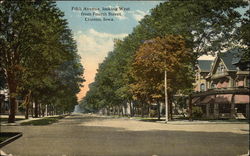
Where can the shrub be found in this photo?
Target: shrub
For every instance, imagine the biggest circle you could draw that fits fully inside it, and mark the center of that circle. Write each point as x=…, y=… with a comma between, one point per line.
x=152, y=113
x=197, y=112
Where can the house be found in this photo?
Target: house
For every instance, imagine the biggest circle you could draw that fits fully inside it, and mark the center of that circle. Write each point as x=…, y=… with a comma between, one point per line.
x=5, y=105
x=226, y=93
x=202, y=71
x=4, y=101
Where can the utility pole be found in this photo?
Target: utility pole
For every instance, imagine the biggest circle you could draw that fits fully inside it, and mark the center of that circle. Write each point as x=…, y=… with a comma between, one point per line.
x=166, y=96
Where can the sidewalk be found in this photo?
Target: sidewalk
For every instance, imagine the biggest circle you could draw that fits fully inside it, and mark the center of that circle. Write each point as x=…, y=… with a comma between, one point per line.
x=186, y=121
x=180, y=122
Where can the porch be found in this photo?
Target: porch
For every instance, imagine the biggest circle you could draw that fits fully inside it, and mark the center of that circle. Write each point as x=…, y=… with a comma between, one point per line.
x=230, y=103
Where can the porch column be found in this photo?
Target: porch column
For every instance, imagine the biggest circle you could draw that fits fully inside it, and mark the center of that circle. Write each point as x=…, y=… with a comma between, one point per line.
x=231, y=82
x=207, y=109
x=207, y=85
x=247, y=111
x=245, y=81
x=232, y=113
x=216, y=110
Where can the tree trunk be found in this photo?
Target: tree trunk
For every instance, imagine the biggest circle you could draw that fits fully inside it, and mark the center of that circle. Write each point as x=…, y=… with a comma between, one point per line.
x=39, y=110
x=12, y=86
x=171, y=108
x=138, y=110
x=27, y=104
x=1, y=106
x=46, y=110
x=12, y=110
x=131, y=109
x=119, y=110
x=27, y=110
x=36, y=109
x=113, y=111
x=142, y=109
x=125, y=107
x=32, y=109
x=190, y=108
x=148, y=109
x=108, y=111
x=158, y=110
x=122, y=108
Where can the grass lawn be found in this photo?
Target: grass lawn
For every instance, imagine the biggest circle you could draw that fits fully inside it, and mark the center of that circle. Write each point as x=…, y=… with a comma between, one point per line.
x=180, y=118
x=43, y=121
x=2, y=138
x=4, y=119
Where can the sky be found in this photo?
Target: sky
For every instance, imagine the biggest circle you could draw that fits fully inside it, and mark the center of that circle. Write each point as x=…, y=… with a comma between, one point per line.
x=94, y=37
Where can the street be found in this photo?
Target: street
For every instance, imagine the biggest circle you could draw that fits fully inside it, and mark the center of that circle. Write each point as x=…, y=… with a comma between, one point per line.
x=92, y=135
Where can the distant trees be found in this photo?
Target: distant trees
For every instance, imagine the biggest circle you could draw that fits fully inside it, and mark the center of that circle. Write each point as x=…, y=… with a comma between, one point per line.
x=38, y=56
x=133, y=72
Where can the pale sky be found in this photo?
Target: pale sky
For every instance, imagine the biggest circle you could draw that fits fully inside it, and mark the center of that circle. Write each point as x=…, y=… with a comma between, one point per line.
x=95, y=38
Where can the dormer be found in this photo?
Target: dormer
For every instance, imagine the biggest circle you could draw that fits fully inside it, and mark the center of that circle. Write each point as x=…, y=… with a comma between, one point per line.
x=223, y=65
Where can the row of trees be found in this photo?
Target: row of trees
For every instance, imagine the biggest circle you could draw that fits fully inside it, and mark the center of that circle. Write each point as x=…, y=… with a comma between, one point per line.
x=170, y=38
x=38, y=57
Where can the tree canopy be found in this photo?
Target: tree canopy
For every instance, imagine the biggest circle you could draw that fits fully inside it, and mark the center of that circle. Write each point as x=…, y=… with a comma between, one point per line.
x=135, y=67
x=38, y=55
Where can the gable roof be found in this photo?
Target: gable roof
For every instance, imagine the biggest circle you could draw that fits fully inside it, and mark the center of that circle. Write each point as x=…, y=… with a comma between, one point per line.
x=205, y=65
x=230, y=58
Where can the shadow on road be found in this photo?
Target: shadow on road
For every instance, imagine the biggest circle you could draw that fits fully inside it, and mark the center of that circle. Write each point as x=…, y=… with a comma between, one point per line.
x=72, y=140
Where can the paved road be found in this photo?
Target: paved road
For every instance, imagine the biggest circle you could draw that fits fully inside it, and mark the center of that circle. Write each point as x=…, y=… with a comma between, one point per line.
x=84, y=135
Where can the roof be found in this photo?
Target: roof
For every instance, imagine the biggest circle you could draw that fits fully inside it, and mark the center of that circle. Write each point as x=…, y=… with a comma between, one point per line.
x=205, y=65
x=230, y=58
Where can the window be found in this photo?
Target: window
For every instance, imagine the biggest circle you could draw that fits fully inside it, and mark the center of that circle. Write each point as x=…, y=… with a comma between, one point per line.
x=248, y=82
x=213, y=85
x=202, y=87
x=221, y=68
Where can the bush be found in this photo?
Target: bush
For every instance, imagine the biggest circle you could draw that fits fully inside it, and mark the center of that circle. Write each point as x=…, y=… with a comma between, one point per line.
x=21, y=108
x=197, y=112
x=152, y=113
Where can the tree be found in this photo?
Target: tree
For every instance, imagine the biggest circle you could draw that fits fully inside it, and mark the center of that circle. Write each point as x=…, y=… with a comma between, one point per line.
x=208, y=26
x=35, y=44
x=11, y=31
x=2, y=79
x=243, y=37
x=205, y=27
x=153, y=58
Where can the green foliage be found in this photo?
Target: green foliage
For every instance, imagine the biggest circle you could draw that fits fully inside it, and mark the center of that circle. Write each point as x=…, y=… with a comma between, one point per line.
x=181, y=101
x=3, y=138
x=38, y=53
x=208, y=26
x=153, y=113
x=243, y=36
x=197, y=112
x=205, y=26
